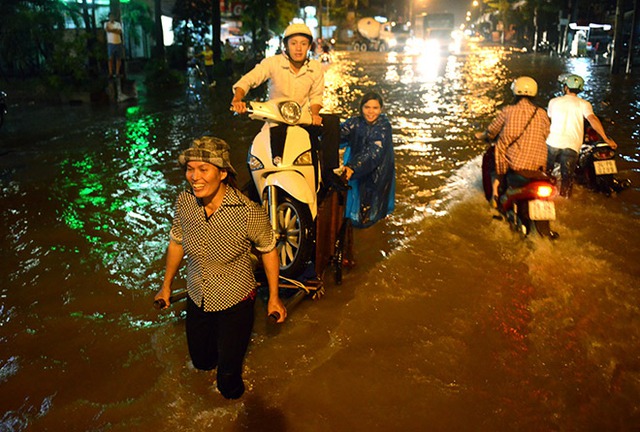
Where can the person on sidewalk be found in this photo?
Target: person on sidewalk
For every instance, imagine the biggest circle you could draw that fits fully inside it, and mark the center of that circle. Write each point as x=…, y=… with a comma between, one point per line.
x=115, y=48
x=207, y=57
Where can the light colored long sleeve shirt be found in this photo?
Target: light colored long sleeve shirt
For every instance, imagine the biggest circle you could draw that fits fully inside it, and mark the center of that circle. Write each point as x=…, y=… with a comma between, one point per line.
x=307, y=85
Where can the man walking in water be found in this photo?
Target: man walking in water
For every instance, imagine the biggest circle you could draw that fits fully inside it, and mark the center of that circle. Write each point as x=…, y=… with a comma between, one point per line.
x=568, y=114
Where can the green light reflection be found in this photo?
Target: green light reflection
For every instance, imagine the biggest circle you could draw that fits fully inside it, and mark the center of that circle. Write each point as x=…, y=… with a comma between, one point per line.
x=118, y=200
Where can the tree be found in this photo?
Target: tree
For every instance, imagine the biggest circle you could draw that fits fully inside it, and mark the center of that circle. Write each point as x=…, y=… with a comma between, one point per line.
x=539, y=16
x=264, y=17
x=31, y=33
x=504, y=10
x=194, y=18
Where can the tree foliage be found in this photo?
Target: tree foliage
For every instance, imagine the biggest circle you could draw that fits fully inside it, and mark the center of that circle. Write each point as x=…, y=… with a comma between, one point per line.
x=29, y=33
x=192, y=21
x=35, y=39
x=263, y=19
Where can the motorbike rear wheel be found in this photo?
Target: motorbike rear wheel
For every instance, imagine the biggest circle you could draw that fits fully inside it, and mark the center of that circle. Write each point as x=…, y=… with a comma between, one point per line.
x=604, y=184
x=544, y=229
x=295, y=236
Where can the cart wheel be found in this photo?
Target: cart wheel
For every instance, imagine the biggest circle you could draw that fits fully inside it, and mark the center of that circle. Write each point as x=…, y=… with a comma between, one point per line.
x=338, y=254
x=338, y=269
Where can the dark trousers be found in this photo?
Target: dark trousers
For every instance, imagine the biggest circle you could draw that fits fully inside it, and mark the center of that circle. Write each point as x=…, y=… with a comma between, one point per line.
x=220, y=339
x=567, y=158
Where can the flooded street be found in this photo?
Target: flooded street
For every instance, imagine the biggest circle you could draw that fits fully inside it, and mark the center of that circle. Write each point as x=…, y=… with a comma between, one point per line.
x=448, y=322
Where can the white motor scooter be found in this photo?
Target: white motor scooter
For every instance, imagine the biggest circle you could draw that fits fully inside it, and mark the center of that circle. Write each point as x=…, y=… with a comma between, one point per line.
x=285, y=179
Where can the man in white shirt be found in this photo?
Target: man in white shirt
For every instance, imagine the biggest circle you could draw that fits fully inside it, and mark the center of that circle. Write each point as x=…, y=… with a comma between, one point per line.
x=292, y=75
x=114, y=44
x=567, y=114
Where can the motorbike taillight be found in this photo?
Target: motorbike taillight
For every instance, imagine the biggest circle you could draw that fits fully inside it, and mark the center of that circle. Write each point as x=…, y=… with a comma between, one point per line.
x=545, y=191
x=604, y=153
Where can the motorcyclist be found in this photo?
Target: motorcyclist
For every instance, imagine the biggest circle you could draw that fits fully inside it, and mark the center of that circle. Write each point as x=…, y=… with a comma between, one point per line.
x=520, y=131
x=294, y=76
x=568, y=113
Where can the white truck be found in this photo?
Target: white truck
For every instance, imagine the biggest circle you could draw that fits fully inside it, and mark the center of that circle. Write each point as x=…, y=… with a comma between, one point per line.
x=372, y=35
x=433, y=31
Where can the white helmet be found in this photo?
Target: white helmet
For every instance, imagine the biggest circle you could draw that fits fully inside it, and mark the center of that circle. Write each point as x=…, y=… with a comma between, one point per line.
x=524, y=86
x=297, y=29
x=575, y=83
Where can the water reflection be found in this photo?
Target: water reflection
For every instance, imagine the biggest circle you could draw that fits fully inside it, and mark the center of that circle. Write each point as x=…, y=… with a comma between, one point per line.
x=118, y=205
x=433, y=128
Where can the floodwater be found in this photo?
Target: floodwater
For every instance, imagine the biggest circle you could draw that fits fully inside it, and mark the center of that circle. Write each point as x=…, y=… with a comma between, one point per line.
x=449, y=321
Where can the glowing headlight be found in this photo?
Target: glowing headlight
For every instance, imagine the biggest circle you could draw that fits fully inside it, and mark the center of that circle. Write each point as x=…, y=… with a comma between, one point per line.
x=432, y=45
x=290, y=111
x=254, y=163
x=304, y=159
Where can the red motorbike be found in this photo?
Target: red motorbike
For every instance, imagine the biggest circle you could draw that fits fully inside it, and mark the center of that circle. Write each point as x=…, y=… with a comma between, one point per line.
x=529, y=206
x=527, y=202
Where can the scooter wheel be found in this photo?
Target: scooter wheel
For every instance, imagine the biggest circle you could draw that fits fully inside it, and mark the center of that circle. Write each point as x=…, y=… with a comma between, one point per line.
x=295, y=236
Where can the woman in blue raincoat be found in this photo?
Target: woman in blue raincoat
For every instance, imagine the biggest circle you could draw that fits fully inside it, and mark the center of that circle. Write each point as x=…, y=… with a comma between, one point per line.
x=369, y=163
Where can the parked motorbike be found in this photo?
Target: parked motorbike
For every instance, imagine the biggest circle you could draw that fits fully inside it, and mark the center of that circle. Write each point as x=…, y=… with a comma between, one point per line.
x=196, y=81
x=3, y=107
x=325, y=58
x=529, y=208
x=281, y=163
x=596, y=167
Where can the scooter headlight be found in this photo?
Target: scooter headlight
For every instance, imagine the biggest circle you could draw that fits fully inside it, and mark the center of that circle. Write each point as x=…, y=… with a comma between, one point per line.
x=254, y=163
x=290, y=111
x=304, y=159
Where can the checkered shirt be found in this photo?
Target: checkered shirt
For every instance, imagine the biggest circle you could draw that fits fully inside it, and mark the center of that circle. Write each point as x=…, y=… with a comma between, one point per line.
x=529, y=152
x=219, y=271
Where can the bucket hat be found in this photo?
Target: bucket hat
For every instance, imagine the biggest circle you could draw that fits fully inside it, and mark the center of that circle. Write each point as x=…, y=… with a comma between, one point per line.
x=208, y=149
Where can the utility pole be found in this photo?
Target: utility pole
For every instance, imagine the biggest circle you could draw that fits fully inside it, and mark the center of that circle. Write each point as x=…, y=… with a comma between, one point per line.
x=617, y=39
x=216, y=22
x=319, y=15
x=632, y=36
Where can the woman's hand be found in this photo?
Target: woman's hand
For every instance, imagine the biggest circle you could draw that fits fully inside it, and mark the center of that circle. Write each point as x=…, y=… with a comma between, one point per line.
x=348, y=172
x=481, y=135
x=164, y=294
x=316, y=120
x=275, y=305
